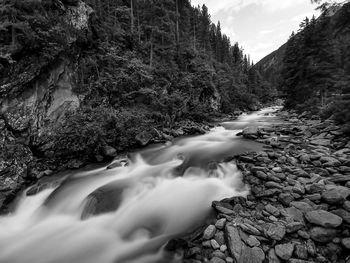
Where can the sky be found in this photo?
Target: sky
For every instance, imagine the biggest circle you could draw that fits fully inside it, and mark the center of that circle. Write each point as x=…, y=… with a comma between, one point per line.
x=259, y=26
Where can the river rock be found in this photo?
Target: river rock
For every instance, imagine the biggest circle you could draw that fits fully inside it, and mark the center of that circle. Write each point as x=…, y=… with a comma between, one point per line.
x=334, y=196
x=217, y=260
x=302, y=206
x=252, y=241
x=220, y=224
x=345, y=215
x=239, y=250
x=284, y=251
x=346, y=242
x=272, y=257
x=346, y=205
x=323, y=235
x=300, y=251
x=108, y=151
x=209, y=232
x=294, y=226
x=272, y=210
x=276, y=231
x=323, y=218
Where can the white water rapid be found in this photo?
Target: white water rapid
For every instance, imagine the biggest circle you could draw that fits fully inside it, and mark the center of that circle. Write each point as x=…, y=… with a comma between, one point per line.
x=129, y=213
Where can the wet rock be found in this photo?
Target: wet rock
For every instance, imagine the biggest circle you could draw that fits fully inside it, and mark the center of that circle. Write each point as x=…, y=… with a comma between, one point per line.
x=209, y=232
x=108, y=151
x=323, y=218
x=251, y=132
x=284, y=251
x=276, y=231
x=143, y=138
x=323, y=235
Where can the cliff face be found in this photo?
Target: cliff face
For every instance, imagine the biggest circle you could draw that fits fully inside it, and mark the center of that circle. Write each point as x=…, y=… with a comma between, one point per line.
x=37, y=96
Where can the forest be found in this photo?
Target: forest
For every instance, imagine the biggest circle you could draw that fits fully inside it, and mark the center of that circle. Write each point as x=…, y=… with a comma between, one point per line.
x=140, y=64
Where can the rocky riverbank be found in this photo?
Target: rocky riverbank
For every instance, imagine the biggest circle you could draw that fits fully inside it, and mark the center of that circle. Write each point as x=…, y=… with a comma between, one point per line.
x=298, y=209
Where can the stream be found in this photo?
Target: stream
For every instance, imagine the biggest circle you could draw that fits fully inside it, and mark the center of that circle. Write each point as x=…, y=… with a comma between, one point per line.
x=129, y=213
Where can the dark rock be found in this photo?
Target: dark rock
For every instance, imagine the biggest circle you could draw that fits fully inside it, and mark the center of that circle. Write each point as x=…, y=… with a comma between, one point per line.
x=285, y=198
x=333, y=196
x=272, y=210
x=108, y=151
x=323, y=235
x=272, y=257
x=323, y=218
x=143, y=138
x=217, y=260
x=294, y=226
x=302, y=206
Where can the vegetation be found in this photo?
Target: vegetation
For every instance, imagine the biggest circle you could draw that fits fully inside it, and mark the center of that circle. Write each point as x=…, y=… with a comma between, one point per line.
x=139, y=65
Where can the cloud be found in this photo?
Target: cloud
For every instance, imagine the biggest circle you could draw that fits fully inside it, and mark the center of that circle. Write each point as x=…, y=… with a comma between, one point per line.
x=265, y=32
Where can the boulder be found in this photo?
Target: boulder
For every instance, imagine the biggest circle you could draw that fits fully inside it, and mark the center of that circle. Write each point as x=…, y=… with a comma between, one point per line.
x=108, y=151
x=143, y=138
x=323, y=218
x=251, y=132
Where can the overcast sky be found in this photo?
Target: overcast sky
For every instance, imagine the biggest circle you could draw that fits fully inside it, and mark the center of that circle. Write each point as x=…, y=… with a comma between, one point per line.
x=260, y=26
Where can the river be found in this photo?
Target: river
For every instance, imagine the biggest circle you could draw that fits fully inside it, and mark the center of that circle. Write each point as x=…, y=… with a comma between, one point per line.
x=129, y=213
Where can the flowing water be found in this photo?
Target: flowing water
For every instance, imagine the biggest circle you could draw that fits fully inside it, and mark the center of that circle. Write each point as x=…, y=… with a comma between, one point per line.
x=128, y=213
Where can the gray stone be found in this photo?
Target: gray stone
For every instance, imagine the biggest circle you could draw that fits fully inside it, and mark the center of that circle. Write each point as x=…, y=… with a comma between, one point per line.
x=252, y=241
x=323, y=218
x=311, y=247
x=272, y=257
x=333, y=197
x=276, y=231
x=345, y=215
x=294, y=226
x=300, y=251
x=302, y=206
x=285, y=198
x=216, y=260
x=346, y=242
x=295, y=214
x=240, y=252
x=220, y=224
x=284, y=251
x=323, y=235
x=214, y=244
x=209, y=232
x=272, y=210
x=346, y=205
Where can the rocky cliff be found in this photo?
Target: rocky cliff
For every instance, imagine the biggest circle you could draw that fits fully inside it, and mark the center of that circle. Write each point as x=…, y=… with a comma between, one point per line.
x=39, y=94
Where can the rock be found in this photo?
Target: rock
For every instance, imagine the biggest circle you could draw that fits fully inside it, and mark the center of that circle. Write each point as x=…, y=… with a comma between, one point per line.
x=209, y=232
x=294, y=226
x=240, y=252
x=284, y=251
x=333, y=197
x=252, y=241
x=311, y=247
x=302, y=206
x=272, y=210
x=321, y=142
x=346, y=205
x=323, y=218
x=300, y=251
x=143, y=138
x=276, y=231
x=250, y=229
x=345, y=215
x=295, y=214
x=251, y=132
x=285, y=198
x=214, y=244
x=223, y=248
x=323, y=235
x=303, y=234
x=220, y=224
x=217, y=260
x=346, y=242
x=272, y=257
x=108, y=151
